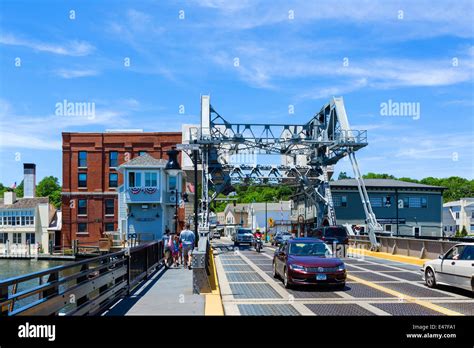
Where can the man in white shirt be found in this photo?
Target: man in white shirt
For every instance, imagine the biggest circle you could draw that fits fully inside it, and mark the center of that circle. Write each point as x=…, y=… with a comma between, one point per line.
x=187, y=238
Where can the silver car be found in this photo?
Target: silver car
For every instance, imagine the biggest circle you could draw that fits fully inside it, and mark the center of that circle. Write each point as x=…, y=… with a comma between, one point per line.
x=455, y=268
x=243, y=236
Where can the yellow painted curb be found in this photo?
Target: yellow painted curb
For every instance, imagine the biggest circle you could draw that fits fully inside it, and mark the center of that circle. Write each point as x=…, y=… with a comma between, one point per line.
x=399, y=258
x=213, y=305
x=404, y=297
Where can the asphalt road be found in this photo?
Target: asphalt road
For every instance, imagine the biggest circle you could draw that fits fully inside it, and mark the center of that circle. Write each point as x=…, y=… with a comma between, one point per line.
x=374, y=287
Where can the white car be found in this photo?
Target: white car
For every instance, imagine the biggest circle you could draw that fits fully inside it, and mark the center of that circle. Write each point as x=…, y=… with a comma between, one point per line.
x=455, y=268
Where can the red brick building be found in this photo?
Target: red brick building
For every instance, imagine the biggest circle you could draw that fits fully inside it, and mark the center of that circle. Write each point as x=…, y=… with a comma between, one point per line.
x=91, y=178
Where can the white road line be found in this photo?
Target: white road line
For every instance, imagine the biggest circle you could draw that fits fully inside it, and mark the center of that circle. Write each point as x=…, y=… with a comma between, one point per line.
x=404, y=281
x=373, y=309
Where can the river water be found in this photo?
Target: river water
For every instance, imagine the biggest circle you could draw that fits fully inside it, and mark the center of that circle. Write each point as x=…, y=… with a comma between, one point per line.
x=15, y=267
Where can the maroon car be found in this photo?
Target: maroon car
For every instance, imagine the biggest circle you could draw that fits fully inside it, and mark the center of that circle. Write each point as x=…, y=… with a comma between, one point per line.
x=308, y=261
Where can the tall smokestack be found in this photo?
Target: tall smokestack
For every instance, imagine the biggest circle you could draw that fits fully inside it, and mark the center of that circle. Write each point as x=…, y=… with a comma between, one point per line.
x=29, y=180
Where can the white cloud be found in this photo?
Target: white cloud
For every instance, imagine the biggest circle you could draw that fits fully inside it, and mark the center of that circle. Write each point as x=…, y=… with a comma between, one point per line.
x=71, y=48
x=72, y=73
x=44, y=131
x=264, y=65
x=334, y=91
x=434, y=146
x=424, y=18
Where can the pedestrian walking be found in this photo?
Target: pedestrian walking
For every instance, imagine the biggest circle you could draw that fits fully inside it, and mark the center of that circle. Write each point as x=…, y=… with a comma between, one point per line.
x=176, y=250
x=187, y=237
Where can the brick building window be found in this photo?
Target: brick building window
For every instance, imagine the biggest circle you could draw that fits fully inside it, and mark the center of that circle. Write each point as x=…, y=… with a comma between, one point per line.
x=82, y=159
x=82, y=182
x=113, y=159
x=113, y=180
x=82, y=227
x=109, y=207
x=109, y=227
x=82, y=207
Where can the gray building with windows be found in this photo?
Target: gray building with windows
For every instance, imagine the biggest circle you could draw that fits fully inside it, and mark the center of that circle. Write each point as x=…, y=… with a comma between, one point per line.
x=402, y=208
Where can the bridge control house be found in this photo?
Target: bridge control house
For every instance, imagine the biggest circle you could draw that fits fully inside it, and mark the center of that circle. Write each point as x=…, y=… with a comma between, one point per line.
x=149, y=198
x=402, y=208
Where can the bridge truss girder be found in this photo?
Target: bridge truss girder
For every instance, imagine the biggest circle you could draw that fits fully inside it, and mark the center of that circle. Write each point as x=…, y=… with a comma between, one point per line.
x=319, y=143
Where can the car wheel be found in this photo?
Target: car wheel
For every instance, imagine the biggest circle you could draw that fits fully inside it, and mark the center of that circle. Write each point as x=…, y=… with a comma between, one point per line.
x=430, y=278
x=286, y=281
x=341, y=286
x=275, y=273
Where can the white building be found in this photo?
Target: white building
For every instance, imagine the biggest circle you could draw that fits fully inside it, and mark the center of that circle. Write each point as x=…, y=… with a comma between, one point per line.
x=24, y=225
x=458, y=214
x=24, y=222
x=260, y=214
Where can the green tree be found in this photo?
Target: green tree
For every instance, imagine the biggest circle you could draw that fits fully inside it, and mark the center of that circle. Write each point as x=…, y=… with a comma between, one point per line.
x=408, y=179
x=343, y=175
x=462, y=233
x=2, y=189
x=49, y=187
x=378, y=176
x=20, y=190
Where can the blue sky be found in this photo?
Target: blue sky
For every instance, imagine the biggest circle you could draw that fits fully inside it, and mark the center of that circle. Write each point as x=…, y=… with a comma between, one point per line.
x=297, y=53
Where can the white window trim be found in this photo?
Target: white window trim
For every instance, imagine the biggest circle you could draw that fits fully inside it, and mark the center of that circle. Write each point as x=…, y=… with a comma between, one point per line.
x=142, y=178
x=157, y=173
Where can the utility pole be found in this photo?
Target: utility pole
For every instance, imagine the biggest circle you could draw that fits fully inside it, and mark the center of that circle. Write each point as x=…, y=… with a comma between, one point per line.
x=195, y=163
x=266, y=218
x=176, y=211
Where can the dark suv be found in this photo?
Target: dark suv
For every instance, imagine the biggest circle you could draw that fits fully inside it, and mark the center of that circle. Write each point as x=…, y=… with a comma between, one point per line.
x=330, y=234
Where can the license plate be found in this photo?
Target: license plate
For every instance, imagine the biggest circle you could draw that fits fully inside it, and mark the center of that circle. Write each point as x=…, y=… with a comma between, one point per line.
x=320, y=277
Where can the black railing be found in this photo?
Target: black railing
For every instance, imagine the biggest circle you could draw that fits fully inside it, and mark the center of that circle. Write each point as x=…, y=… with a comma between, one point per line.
x=85, y=287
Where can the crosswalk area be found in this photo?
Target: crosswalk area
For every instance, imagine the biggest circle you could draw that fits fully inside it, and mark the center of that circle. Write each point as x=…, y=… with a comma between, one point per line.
x=374, y=287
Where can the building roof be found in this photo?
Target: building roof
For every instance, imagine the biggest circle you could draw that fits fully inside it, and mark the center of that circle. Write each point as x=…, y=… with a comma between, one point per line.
x=272, y=206
x=144, y=160
x=239, y=207
x=24, y=203
x=469, y=202
x=56, y=222
x=383, y=183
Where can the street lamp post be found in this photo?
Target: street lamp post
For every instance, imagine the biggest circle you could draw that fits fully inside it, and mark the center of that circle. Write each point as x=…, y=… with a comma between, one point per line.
x=173, y=169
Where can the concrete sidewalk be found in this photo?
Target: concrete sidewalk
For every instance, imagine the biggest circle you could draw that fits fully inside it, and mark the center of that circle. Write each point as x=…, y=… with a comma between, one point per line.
x=167, y=292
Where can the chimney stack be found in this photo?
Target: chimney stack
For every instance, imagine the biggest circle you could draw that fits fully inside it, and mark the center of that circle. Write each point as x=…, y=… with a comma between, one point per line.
x=9, y=198
x=29, y=180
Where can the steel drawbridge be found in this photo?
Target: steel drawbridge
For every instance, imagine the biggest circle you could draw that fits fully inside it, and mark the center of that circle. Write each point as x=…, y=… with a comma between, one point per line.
x=309, y=150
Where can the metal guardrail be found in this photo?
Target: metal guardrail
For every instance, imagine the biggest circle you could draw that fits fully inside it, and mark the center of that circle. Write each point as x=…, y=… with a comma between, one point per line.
x=85, y=287
x=415, y=247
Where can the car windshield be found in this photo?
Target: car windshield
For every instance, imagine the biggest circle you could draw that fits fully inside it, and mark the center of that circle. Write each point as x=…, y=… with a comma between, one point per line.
x=244, y=231
x=309, y=249
x=336, y=232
